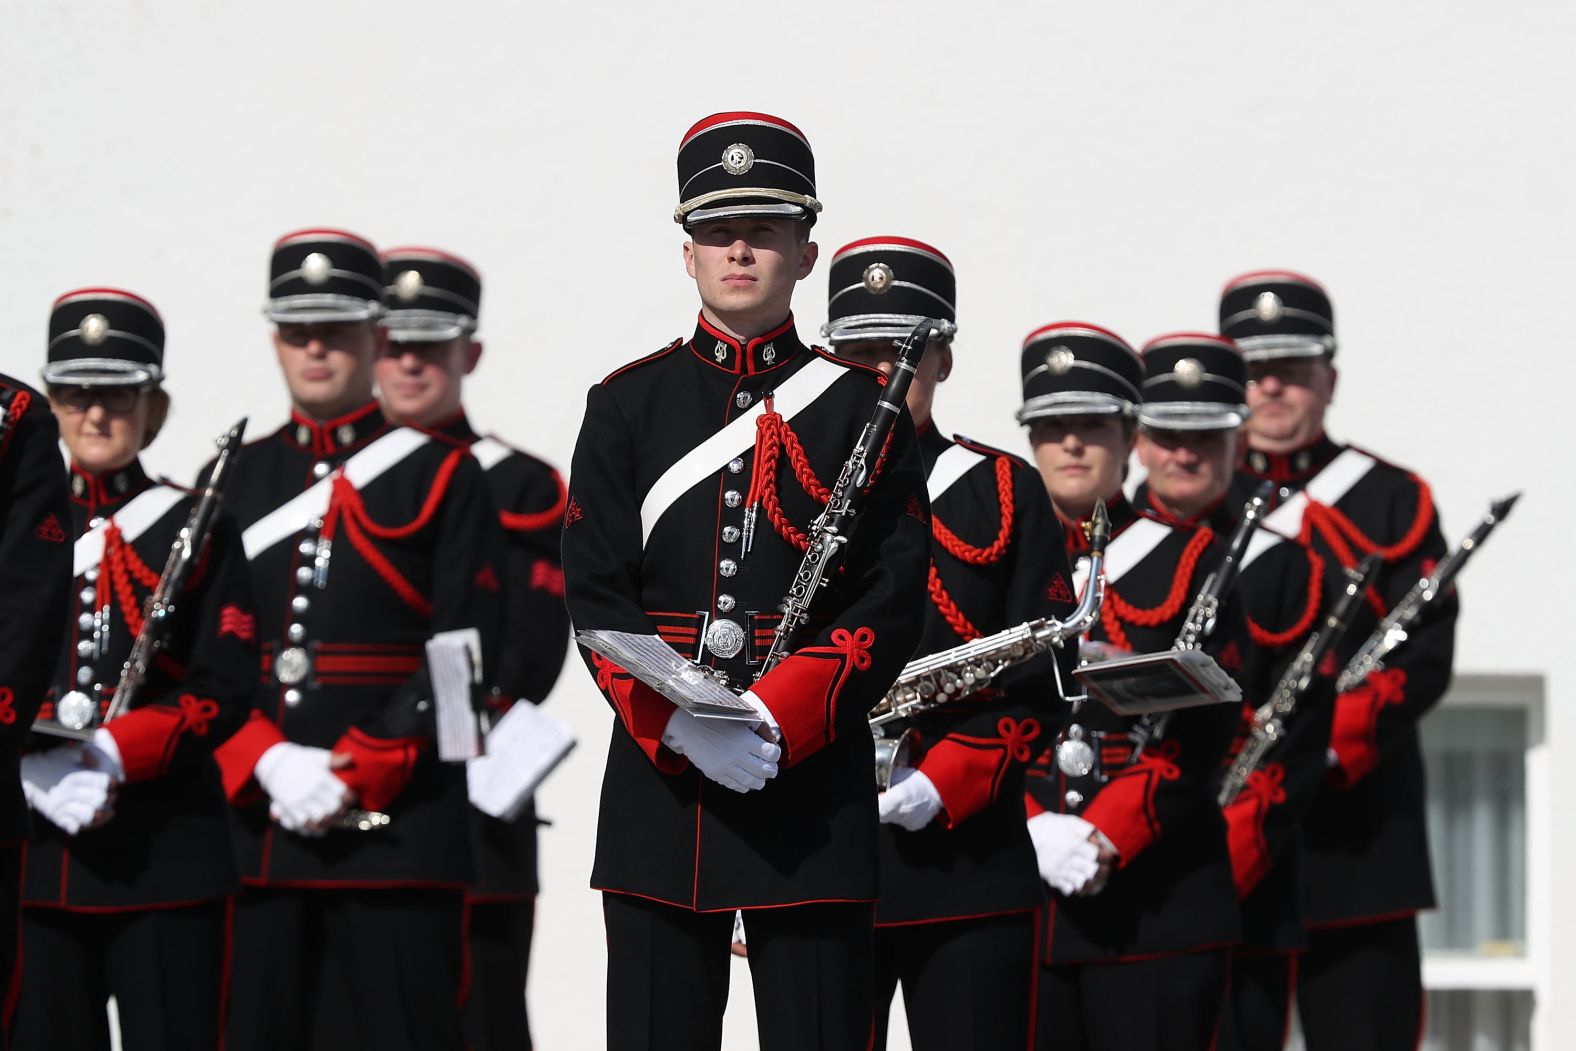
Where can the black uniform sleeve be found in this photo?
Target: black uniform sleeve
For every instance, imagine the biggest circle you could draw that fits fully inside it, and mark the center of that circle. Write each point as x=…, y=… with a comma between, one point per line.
x=971, y=764
x=537, y=621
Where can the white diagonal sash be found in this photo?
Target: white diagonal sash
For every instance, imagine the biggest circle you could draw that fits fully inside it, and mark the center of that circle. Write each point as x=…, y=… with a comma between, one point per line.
x=948, y=468
x=490, y=452
x=1124, y=553
x=294, y=516
x=140, y=512
x=1327, y=487
x=793, y=397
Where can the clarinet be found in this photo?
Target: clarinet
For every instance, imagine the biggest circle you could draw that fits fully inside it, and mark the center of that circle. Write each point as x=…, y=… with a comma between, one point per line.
x=832, y=528
x=1204, y=614
x=1392, y=630
x=1269, y=719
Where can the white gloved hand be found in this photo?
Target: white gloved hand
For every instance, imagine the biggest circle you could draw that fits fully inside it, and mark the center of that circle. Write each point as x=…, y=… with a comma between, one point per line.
x=102, y=753
x=41, y=772
x=912, y=802
x=83, y=798
x=1067, y=859
x=303, y=789
x=728, y=753
x=768, y=720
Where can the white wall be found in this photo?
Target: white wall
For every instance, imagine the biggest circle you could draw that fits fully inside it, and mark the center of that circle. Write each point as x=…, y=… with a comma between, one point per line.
x=1108, y=162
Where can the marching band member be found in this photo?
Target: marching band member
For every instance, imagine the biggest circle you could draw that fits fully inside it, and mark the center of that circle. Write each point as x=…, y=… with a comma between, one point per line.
x=129, y=872
x=1190, y=442
x=959, y=886
x=35, y=593
x=681, y=453
x=364, y=542
x=434, y=302
x=1359, y=985
x=1127, y=831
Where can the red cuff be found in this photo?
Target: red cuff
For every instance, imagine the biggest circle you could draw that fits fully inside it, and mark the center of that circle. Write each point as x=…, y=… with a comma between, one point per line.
x=1245, y=818
x=1354, y=737
x=148, y=737
x=802, y=691
x=380, y=767
x=1031, y=806
x=1124, y=809
x=967, y=771
x=238, y=756
x=643, y=711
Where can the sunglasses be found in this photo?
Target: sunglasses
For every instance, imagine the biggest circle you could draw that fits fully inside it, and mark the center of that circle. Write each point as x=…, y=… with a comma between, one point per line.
x=117, y=400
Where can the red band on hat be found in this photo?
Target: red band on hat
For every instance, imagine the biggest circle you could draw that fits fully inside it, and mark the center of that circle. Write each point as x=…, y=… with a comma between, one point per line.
x=1190, y=337
x=324, y=231
x=436, y=254
x=741, y=115
x=1060, y=326
x=1258, y=277
x=900, y=242
x=107, y=293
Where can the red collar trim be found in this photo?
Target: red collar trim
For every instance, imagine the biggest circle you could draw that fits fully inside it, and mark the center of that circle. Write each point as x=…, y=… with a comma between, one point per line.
x=329, y=436
x=1298, y=465
x=761, y=354
x=1116, y=508
x=98, y=491
x=1157, y=507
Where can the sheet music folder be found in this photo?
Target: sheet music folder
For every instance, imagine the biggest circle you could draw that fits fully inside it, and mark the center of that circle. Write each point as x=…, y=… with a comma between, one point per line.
x=661, y=667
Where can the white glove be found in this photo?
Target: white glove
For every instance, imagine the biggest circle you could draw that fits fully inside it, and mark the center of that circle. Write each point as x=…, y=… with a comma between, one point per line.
x=729, y=753
x=41, y=772
x=912, y=801
x=1066, y=858
x=102, y=753
x=303, y=788
x=84, y=799
x=769, y=721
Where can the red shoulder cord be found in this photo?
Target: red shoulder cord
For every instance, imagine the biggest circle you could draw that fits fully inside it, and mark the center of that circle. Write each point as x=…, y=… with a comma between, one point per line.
x=971, y=555
x=1264, y=637
x=1337, y=529
x=772, y=437
x=346, y=508
x=531, y=521
x=1116, y=611
x=18, y=407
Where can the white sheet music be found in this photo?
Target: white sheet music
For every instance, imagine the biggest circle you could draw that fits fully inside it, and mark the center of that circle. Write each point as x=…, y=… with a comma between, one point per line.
x=453, y=665
x=660, y=666
x=522, y=749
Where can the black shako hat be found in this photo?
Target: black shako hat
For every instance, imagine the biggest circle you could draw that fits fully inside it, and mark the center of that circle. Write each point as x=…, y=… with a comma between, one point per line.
x=324, y=276
x=1193, y=382
x=432, y=295
x=1071, y=368
x=1278, y=314
x=103, y=337
x=881, y=287
x=745, y=164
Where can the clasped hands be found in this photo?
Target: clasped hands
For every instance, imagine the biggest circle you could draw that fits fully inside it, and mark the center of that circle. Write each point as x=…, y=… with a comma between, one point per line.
x=74, y=786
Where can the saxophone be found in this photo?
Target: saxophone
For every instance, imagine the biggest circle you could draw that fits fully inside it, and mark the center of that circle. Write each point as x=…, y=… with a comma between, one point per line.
x=1269, y=719
x=1392, y=630
x=954, y=674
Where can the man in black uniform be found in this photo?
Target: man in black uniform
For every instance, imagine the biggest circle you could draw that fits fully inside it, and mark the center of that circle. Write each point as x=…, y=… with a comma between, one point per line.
x=1126, y=827
x=365, y=541
x=1190, y=442
x=959, y=885
x=129, y=873
x=434, y=302
x=35, y=594
x=697, y=472
x=1359, y=984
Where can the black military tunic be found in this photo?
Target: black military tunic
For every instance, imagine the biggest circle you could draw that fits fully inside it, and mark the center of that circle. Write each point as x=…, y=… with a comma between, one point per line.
x=998, y=560
x=1366, y=835
x=666, y=833
x=1173, y=892
x=169, y=841
x=413, y=551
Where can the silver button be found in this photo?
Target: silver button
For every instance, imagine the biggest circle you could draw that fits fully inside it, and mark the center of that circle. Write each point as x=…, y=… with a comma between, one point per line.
x=75, y=711
x=300, y=604
x=743, y=399
x=95, y=521
x=735, y=465
x=725, y=603
x=296, y=632
x=730, y=534
x=303, y=435
x=346, y=434
x=725, y=638
x=292, y=697
x=84, y=676
x=1284, y=492
x=727, y=567
x=320, y=469
x=90, y=574
x=303, y=575
x=87, y=595
x=85, y=622
x=423, y=705
x=733, y=498
x=1073, y=797
x=307, y=547
x=292, y=666
x=85, y=648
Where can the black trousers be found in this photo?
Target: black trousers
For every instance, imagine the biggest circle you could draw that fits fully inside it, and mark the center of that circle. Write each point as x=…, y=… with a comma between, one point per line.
x=968, y=985
x=1258, y=1009
x=1360, y=988
x=1171, y=1003
x=667, y=975
x=11, y=860
x=384, y=967
x=164, y=967
x=500, y=953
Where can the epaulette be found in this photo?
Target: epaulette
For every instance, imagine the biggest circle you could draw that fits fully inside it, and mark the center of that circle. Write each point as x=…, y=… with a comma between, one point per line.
x=648, y=359
x=852, y=366
x=990, y=450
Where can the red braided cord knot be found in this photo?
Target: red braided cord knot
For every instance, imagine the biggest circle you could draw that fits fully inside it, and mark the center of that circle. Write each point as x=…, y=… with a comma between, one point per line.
x=1342, y=534
x=1266, y=785
x=7, y=706
x=345, y=507
x=992, y=553
x=1160, y=760
x=1382, y=688
x=1117, y=610
x=19, y=405
x=1264, y=637
x=1017, y=735
x=954, y=616
x=606, y=671
x=855, y=645
x=123, y=565
x=198, y=712
x=531, y=521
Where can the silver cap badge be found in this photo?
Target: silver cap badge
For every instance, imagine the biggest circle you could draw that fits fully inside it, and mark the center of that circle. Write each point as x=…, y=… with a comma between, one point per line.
x=316, y=269
x=1060, y=359
x=407, y=286
x=94, y=329
x=738, y=159
x=878, y=278
x=1268, y=307
x=1189, y=373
